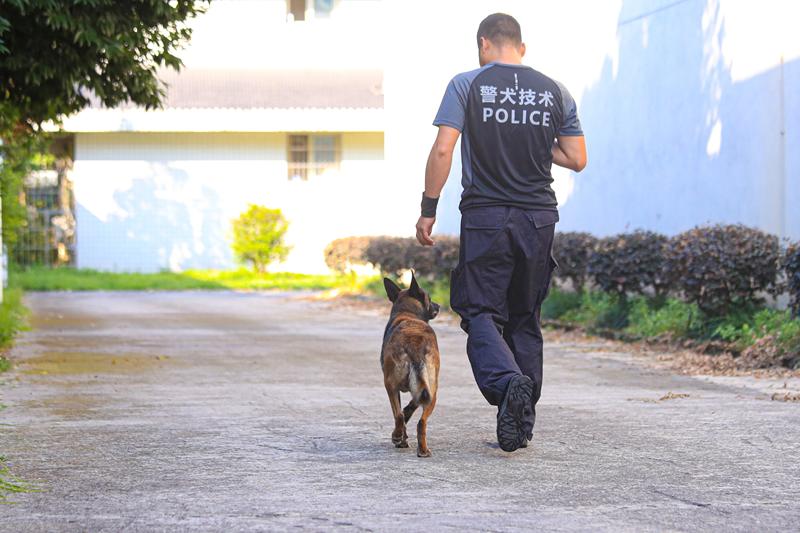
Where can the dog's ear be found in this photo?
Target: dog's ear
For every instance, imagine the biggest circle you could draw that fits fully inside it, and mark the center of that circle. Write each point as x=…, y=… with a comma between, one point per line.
x=392, y=290
x=415, y=289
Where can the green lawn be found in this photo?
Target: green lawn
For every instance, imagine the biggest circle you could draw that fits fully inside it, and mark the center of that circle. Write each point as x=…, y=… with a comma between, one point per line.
x=70, y=279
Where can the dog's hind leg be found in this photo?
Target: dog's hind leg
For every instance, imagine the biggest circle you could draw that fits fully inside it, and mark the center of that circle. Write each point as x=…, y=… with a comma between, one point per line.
x=399, y=436
x=408, y=410
x=422, y=428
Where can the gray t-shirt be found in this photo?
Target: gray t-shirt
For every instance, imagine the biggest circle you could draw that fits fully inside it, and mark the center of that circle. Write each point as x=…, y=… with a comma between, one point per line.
x=509, y=116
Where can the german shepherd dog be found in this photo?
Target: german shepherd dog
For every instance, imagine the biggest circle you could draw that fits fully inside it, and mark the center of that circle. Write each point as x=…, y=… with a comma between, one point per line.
x=410, y=360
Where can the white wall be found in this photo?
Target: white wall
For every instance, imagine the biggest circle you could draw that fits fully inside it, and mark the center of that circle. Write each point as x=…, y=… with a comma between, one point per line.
x=254, y=34
x=680, y=102
x=152, y=201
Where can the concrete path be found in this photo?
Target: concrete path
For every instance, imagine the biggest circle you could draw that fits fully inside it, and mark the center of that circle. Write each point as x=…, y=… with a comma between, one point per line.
x=237, y=412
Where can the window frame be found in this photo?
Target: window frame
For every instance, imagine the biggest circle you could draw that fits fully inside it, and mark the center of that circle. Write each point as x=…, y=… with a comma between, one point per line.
x=311, y=168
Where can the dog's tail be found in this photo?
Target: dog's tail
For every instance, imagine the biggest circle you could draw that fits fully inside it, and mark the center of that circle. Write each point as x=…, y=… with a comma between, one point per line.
x=419, y=384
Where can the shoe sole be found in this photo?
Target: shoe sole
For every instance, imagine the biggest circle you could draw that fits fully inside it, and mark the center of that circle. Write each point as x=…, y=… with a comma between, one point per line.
x=511, y=434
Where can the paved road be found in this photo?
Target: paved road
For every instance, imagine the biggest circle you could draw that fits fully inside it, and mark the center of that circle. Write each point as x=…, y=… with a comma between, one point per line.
x=228, y=411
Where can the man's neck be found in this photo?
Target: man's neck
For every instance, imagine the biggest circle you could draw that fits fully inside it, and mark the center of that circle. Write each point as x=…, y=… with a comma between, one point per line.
x=509, y=57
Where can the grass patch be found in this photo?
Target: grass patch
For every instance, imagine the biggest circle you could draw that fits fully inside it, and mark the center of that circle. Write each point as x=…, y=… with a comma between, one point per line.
x=599, y=310
x=71, y=279
x=558, y=303
x=780, y=325
x=12, y=321
x=674, y=318
x=11, y=484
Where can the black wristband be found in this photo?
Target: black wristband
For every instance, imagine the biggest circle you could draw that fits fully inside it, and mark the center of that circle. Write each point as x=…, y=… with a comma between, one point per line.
x=429, y=206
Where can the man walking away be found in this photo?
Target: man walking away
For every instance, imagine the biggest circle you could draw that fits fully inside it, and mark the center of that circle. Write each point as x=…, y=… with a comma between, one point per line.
x=516, y=122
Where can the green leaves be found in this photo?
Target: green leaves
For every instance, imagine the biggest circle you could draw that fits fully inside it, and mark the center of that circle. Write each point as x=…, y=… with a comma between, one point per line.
x=53, y=53
x=258, y=237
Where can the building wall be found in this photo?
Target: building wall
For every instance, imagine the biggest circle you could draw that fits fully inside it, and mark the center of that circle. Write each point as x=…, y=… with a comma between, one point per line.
x=153, y=201
x=680, y=101
x=255, y=34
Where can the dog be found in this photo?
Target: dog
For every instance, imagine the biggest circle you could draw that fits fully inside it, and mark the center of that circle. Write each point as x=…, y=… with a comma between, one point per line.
x=410, y=360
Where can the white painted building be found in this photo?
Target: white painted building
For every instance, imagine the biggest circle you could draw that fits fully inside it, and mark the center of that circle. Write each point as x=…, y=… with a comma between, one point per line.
x=158, y=189
x=691, y=110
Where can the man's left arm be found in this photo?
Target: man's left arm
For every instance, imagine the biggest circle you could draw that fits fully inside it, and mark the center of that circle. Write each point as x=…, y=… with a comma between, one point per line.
x=436, y=172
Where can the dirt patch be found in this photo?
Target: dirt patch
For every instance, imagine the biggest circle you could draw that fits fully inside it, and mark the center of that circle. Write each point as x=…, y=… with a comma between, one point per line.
x=68, y=406
x=70, y=363
x=668, y=396
x=786, y=397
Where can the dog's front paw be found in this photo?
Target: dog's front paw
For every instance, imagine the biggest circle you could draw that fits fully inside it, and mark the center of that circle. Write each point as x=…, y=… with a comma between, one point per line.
x=423, y=453
x=401, y=444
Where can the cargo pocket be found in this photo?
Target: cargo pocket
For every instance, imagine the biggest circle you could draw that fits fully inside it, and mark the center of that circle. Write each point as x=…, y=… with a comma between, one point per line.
x=552, y=265
x=457, y=295
x=480, y=230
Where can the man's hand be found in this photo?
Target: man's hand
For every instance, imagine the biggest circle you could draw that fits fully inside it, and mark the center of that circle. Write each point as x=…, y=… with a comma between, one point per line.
x=424, y=230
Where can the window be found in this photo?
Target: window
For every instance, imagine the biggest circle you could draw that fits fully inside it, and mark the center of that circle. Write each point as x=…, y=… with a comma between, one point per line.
x=312, y=155
x=323, y=8
x=296, y=9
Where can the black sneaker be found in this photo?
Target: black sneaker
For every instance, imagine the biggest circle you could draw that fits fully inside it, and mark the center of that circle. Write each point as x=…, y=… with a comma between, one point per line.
x=513, y=417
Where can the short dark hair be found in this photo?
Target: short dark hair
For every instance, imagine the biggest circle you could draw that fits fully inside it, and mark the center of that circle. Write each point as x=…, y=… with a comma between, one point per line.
x=500, y=29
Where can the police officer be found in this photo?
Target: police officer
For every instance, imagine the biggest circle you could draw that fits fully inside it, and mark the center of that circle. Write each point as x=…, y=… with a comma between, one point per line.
x=515, y=123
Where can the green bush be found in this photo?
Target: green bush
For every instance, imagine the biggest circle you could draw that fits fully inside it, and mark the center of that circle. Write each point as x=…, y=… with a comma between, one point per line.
x=722, y=267
x=629, y=263
x=770, y=338
x=258, y=237
x=559, y=302
x=791, y=265
x=12, y=316
x=572, y=251
x=765, y=322
x=674, y=318
x=599, y=310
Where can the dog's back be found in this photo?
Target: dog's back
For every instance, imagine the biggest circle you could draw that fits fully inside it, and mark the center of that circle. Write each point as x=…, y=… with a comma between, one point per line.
x=410, y=360
x=409, y=351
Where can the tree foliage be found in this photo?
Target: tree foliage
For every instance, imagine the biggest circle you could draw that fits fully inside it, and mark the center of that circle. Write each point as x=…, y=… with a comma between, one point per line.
x=258, y=237
x=55, y=54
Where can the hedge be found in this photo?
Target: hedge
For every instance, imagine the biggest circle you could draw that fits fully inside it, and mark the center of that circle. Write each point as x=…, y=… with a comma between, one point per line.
x=630, y=263
x=719, y=268
x=342, y=255
x=572, y=249
x=792, y=268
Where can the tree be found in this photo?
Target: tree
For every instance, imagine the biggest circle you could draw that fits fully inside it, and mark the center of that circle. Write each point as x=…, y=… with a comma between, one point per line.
x=258, y=237
x=56, y=54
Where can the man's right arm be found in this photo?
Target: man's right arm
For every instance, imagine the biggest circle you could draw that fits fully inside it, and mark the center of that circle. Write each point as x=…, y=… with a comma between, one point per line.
x=569, y=151
x=569, y=148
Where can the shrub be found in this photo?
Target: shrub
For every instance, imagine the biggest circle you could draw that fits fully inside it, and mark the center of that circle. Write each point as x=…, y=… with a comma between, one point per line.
x=675, y=318
x=258, y=237
x=629, y=263
x=572, y=249
x=770, y=338
x=721, y=267
x=12, y=317
x=342, y=254
x=792, y=268
x=393, y=255
x=599, y=310
x=559, y=302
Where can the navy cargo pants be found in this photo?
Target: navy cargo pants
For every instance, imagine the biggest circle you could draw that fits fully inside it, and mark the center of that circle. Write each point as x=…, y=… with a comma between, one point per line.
x=502, y=277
